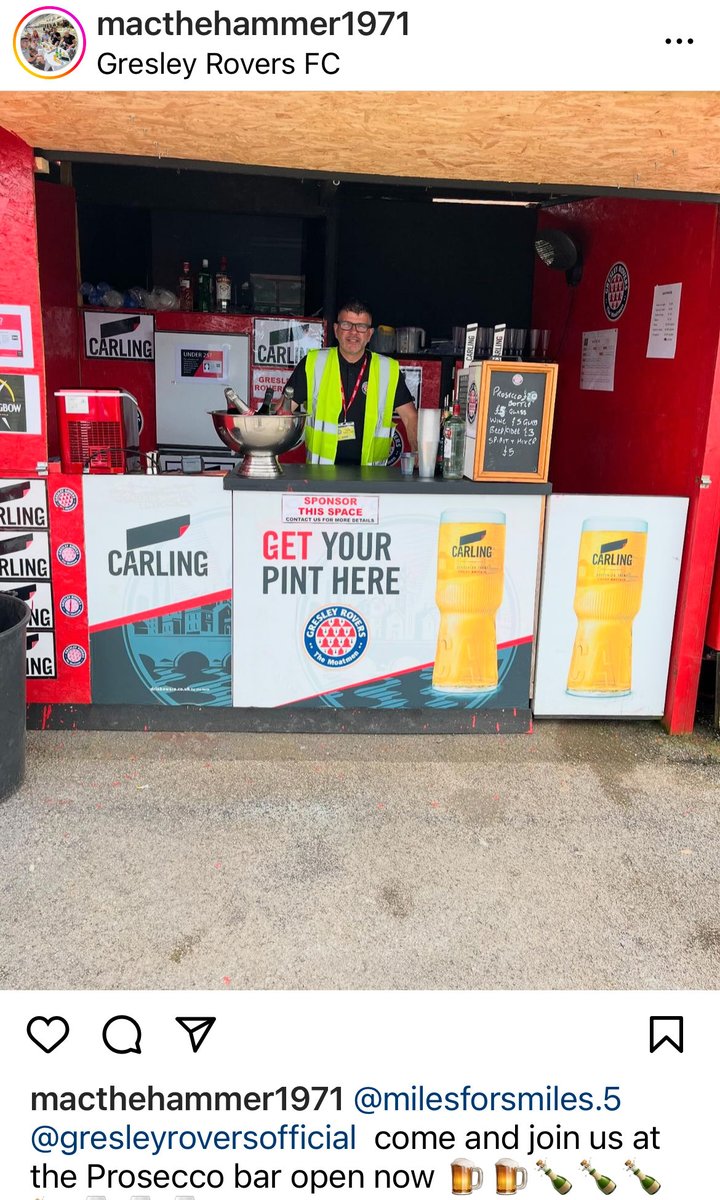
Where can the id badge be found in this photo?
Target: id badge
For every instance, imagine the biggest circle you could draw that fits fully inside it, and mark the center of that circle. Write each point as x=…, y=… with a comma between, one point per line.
x=346, y=431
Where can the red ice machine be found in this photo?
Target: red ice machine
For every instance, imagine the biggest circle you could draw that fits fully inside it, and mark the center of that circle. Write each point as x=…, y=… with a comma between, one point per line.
x=99, y=431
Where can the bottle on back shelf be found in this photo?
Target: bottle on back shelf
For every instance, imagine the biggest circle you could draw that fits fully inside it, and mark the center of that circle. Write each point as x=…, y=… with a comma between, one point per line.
x=559, y=1182
x=648, y=1184
x=204, y=288
x=454, y=445
x=185, y=289
x=445, y=412
x=605, y=1184
x=223, y=288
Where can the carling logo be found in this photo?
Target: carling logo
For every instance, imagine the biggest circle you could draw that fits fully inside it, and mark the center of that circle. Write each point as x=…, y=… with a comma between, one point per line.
x=136, y=560
x=468, y=546
x=608, y=547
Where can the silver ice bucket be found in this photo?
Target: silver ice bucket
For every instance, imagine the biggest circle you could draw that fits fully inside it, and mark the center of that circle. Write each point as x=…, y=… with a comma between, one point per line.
x=259, y=439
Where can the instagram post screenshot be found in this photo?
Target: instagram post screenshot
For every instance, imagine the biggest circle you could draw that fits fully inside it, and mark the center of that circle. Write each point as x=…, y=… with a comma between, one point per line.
x=359, y=600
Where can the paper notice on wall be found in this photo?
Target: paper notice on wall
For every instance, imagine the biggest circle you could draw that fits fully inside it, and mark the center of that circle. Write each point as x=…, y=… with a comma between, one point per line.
x=202, y=364
x=19, y=403
x=597, y=366
x=16, y=345
x=662, y=338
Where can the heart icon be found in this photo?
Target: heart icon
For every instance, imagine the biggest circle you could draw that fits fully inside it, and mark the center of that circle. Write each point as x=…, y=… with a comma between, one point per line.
x=47, y=1032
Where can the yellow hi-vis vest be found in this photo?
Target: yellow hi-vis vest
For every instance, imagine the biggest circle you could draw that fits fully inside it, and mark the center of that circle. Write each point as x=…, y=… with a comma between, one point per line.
x=322, y=370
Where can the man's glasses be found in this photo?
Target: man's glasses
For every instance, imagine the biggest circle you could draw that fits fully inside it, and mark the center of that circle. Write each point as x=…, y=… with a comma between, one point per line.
x=346, y=326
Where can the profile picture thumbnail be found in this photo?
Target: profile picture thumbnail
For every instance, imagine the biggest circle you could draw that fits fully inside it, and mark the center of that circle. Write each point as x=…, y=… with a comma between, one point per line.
x=49, y=42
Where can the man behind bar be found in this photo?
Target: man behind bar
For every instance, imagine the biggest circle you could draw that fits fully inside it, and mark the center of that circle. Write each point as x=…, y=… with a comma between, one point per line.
x=352, y=395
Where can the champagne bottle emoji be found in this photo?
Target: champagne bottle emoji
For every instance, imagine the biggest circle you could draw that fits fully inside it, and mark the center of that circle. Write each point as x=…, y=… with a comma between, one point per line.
x=605, y=1184
x=559, y=1182
x=648, y=1184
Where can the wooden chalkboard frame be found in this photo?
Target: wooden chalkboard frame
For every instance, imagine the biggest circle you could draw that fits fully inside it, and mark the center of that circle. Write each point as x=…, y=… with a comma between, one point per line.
x=490, y=368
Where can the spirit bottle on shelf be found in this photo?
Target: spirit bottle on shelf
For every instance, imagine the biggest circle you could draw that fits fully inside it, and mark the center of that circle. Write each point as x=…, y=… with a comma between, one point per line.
x=445, y=412
x=223, y=288
x=559, y=1182
x=185, y=289
x=204, y=288
x=605, y=1184
x=648, y=1184
x=454, y=445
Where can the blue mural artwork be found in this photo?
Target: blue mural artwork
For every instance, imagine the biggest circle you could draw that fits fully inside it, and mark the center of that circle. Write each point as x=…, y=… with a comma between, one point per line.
x=181, y=657
x=413, y=689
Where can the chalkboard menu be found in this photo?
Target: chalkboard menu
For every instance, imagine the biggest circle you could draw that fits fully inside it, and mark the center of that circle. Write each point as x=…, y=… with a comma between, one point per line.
x=508, y=434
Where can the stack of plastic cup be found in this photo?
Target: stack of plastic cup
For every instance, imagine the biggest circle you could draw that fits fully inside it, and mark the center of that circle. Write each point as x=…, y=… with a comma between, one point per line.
x=428, y=439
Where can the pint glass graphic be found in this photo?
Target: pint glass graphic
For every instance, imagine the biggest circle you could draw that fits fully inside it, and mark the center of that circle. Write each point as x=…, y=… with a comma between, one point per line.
x=466, y=1177
x=470, y=581
x=511, y=1177
x=608, y=593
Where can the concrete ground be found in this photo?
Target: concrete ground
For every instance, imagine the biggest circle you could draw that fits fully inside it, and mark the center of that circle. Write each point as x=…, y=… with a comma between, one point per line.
x=586, y=855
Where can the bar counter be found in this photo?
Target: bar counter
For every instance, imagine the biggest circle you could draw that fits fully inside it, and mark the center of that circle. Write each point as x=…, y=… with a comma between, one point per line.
x=298, y=603
x=334, y=589
x=381, y=480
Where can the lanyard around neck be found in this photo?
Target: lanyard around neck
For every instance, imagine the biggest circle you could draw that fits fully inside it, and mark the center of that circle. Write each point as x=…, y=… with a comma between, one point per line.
x=347, y=404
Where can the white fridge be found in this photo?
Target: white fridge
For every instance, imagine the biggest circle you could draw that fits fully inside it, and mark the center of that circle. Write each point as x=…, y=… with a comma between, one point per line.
x=191, y=372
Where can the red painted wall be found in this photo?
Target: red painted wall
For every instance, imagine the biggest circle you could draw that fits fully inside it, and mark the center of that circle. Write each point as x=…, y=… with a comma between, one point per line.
x=658, y=432
x=647, y=436
x=57, y=250
x=19, y=284
x=712, y=636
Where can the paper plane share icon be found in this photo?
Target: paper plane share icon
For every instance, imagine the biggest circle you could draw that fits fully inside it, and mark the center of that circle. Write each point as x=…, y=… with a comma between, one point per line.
x=198, y=1028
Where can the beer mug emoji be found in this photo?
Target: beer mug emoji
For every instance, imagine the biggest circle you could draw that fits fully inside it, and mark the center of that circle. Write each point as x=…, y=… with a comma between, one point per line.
x=608, y=593
x=511, y=1177
x=469, y=591
x=462, y=1177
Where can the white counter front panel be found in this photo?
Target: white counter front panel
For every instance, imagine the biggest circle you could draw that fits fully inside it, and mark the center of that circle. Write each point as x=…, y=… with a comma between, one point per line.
x=369, y=564
x=159, y=598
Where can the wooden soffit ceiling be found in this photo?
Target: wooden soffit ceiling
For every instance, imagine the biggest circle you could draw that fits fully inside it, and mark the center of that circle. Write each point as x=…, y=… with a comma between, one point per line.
x=665, y=141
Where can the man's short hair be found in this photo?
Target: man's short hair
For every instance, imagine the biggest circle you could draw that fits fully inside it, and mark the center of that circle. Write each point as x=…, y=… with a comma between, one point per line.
x=355, y=306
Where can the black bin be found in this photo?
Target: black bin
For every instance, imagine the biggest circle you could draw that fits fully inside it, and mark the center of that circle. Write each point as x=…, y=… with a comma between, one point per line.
x=14, y=616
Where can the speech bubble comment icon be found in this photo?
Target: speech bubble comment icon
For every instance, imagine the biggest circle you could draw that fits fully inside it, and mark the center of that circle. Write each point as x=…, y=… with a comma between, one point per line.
x=47, y=1032
x=122, y=1035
